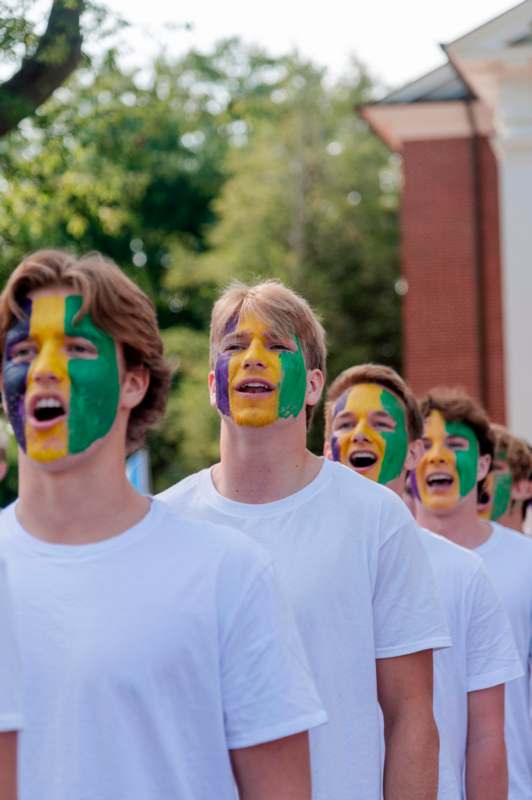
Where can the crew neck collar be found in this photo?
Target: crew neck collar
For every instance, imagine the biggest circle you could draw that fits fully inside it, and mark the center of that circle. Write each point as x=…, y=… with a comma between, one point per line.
x=212, y=496
x=75, y=552
x=490, y=542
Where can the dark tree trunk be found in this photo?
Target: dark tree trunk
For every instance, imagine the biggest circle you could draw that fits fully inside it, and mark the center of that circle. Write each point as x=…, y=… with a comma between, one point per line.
x=57, y=55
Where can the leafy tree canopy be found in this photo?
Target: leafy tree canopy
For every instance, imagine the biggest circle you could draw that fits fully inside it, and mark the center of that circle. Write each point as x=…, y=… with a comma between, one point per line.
x=212, y=166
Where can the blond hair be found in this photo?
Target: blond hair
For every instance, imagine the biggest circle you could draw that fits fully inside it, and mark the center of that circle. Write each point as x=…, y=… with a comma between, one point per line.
x=116, y=305
x=383, y=376
x=280, y=308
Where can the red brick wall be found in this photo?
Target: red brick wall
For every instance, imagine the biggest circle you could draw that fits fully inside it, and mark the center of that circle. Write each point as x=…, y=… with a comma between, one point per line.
x=494, y=349
x=439, y=245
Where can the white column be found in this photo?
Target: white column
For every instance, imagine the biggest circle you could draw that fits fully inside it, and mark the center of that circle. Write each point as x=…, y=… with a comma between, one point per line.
x=513, y=141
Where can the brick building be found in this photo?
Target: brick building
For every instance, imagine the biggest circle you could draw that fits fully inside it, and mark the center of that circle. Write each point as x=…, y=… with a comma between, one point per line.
x=465, y=135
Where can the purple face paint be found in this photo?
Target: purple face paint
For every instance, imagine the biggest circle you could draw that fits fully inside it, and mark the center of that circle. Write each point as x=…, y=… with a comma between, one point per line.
x=14, y=376
x=221, y=370
x=335, y=447
x=338, y=407
x=340, y=404
x=411, y=477
x=221, y=374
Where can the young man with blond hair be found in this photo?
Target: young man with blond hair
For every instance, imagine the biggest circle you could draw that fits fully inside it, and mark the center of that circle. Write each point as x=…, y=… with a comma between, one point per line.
x=506, y=488
x=158, y=659
x=347, y=553
x=373, y=425
x=458, y=446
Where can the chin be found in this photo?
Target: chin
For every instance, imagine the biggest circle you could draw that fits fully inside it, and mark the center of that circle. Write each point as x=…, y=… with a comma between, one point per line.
x=63, y=462
x=254, y=419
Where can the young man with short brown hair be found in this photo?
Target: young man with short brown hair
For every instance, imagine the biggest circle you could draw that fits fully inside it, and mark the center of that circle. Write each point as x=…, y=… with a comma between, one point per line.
x=158, y=658
x=373, y=424
x=459, y=445
x=348, y=555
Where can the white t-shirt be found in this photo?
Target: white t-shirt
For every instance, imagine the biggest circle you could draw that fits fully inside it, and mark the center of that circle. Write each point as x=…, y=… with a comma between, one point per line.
x=483, y=652
x=146, y=656
x=349, y=556
x=508, y=559
x=11, y=717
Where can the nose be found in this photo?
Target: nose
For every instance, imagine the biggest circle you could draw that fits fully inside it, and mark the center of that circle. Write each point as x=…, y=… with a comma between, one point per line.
x=48, y=365
x=255, y=355
x=438, y=454
x=361, y=432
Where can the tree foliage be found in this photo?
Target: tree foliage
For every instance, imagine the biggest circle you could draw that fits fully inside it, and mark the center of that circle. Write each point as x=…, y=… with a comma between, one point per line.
x=214, y=166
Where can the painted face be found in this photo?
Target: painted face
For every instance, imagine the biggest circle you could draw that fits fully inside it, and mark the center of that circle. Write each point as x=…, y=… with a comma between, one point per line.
x=497, y=489
x=369, y=432
x=260, y=377
x=61, y=382
x=448, y=470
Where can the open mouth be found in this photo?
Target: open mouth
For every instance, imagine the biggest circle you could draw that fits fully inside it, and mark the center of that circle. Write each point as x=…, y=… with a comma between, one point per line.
x=48, y=409
x=363, y=459
x=439, y=480
x=255, y=387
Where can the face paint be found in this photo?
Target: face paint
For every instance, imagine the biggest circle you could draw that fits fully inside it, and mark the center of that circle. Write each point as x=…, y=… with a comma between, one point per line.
x=257, y=382
x=498, y=488
x=370, y=436
x=448, y=470
x=59, y=402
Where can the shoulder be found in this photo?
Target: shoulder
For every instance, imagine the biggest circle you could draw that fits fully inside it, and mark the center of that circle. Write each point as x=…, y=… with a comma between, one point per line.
x=362, y=496
x=520, y=543
x=182, y=491
x=439, y=547
x=208, y=540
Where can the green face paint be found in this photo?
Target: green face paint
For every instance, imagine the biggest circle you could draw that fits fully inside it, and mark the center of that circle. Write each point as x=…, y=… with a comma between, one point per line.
x=293, y=382
x=396, y=441
x=466, y=460
x=502, y=492
x=95, y=383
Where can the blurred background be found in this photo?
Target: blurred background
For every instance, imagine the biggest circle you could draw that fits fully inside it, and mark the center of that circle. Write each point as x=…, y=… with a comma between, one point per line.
x=202, y=145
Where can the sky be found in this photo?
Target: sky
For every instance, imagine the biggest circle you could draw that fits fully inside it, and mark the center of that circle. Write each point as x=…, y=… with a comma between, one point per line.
x=398, y=41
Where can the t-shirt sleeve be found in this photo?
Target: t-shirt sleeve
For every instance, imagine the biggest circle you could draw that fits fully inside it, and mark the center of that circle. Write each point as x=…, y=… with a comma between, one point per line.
x=407, y=613
x=10, y=690
x=267, y=689
x=492, y=656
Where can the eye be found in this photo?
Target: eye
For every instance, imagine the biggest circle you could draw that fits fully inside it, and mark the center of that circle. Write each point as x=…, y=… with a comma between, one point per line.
x=458, y=444
x=77, y=349
x=22, y=352
x=233, y=348
x=280, y=346
x=427, y=444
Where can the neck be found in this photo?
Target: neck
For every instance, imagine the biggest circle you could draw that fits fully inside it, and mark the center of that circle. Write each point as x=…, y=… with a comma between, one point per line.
x=459, y=524
x=89, y=502
x=261, y=465
x=513, y=518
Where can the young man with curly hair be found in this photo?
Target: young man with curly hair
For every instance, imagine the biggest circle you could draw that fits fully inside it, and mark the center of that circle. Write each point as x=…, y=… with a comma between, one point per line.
x=506, y=488
x=158, y=659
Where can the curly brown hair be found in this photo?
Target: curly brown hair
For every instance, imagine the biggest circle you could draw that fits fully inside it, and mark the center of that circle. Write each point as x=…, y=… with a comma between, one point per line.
x=516, y=450
x=116, y=305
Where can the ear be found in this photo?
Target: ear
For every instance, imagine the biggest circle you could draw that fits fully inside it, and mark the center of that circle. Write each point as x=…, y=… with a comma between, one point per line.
x=315, y=383
x=522, y=490
x=414, y=454
x=134, y=387
x=327, y=450
x=211, y=380
x=484, y=464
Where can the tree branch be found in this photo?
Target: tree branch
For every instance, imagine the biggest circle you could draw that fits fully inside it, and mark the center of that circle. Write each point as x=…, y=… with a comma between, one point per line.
x=57, y=55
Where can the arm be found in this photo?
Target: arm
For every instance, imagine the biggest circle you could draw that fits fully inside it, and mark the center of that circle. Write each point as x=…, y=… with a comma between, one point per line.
x=278, y=770
x=8, y=766
x=405, y=695
x=486, y=769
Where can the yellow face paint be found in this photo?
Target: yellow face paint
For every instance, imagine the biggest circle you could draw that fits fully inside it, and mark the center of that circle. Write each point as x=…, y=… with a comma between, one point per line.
x=448, y=470
x=369, y=432
x=260, y=377
x=47, y=330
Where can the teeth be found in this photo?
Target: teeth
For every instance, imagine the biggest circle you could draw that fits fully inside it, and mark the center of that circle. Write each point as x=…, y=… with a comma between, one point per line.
x=48, y=402
x=255, y=386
